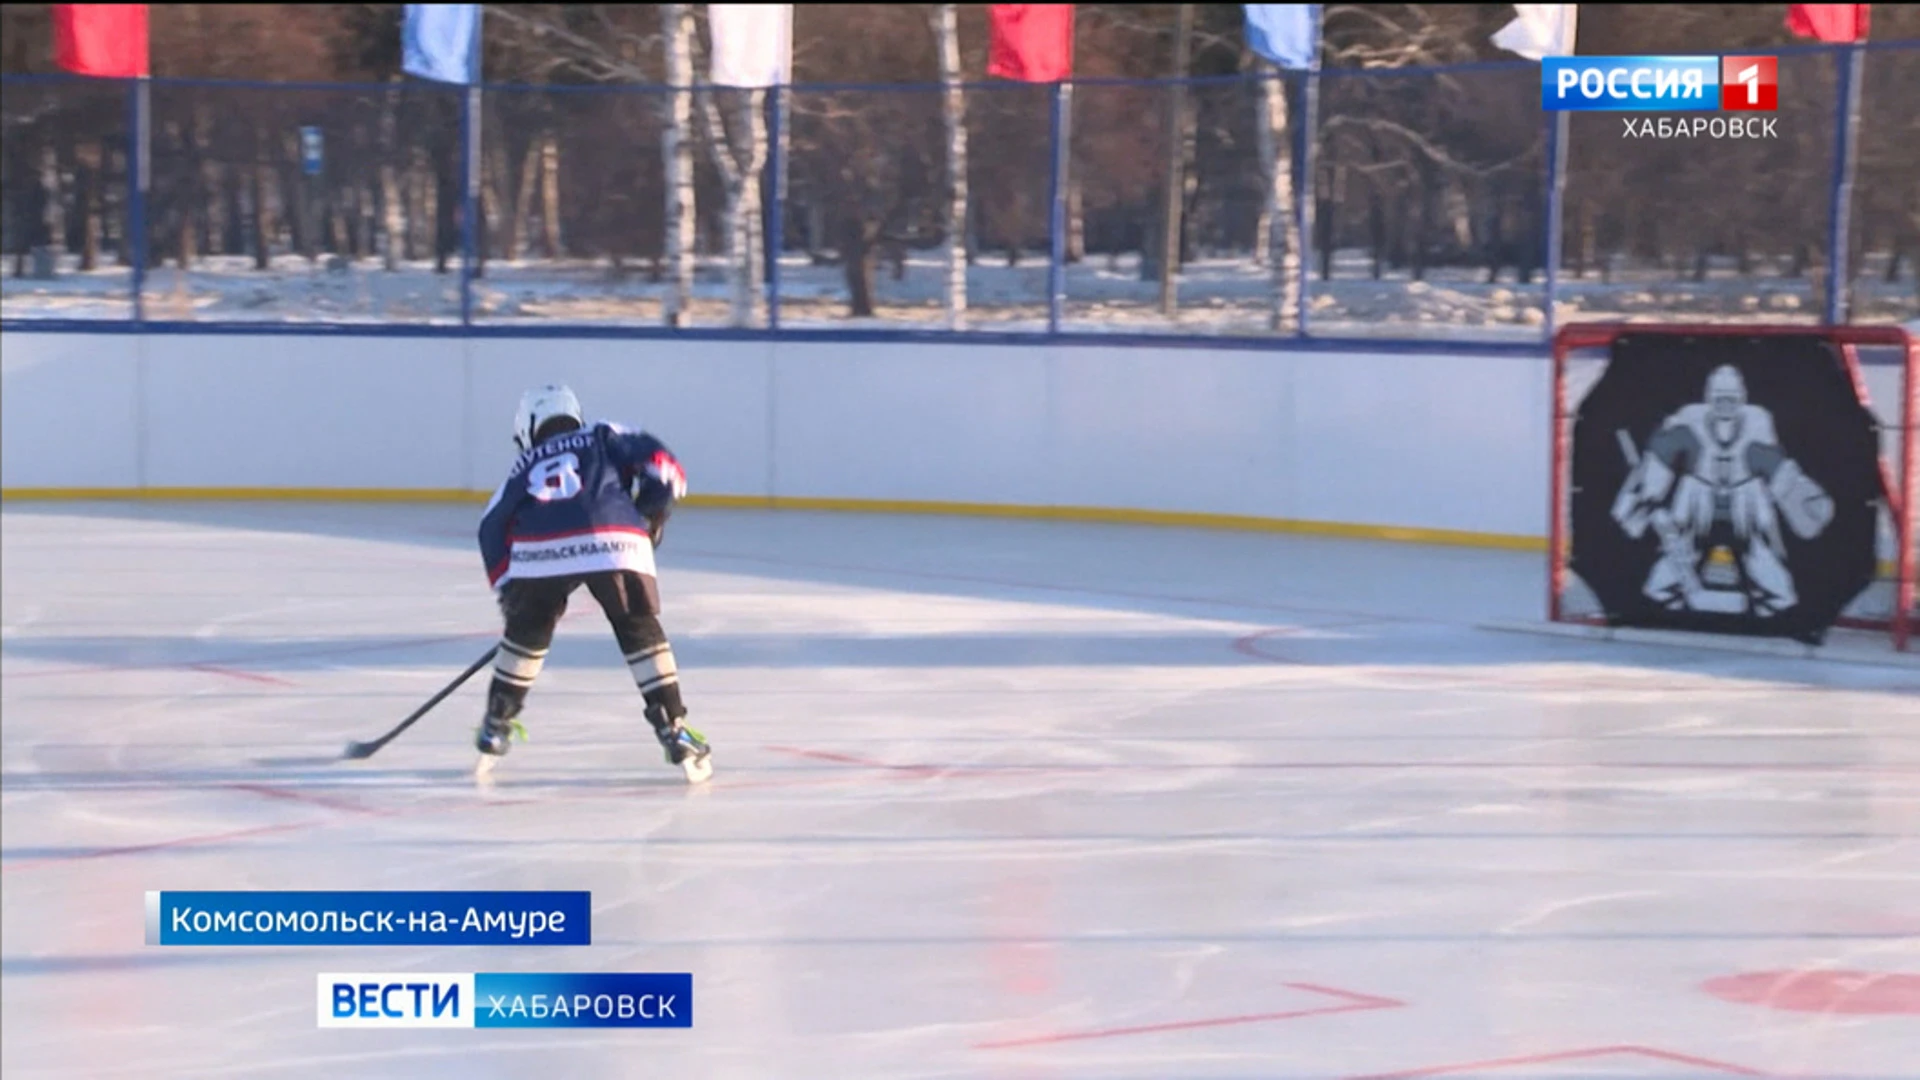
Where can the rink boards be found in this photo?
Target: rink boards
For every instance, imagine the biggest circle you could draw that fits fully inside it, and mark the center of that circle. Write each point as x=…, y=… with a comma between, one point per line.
x=1445, y=444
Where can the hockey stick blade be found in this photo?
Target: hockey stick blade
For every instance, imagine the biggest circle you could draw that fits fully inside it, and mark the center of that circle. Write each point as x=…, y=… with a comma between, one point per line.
x=360, y=751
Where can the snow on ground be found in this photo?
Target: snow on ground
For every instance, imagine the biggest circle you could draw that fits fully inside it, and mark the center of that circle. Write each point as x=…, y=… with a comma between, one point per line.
x=1218, y=295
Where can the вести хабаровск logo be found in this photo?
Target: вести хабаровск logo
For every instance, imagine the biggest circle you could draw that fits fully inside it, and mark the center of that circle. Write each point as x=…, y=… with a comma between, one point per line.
x=504, y=1000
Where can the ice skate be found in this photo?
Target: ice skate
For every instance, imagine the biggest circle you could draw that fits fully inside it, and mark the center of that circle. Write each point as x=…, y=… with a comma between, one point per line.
x=684, y=746
x=495, y=738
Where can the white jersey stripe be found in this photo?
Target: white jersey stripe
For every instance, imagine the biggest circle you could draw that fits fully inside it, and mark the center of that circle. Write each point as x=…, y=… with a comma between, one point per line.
x=582, y=553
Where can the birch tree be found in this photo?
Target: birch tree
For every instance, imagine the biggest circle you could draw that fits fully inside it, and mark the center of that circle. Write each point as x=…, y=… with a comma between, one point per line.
x=946, y=29
x=741, y=179
x=1283, y=225
x=739, y=153
x=677, y=149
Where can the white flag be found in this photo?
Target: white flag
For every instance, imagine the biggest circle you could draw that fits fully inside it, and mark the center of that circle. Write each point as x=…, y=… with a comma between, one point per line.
x=752, y=44
x=1542, y=30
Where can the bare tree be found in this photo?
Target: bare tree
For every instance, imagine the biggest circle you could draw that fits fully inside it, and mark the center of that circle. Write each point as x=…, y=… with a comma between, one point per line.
x=946, y=28
x=550, y=194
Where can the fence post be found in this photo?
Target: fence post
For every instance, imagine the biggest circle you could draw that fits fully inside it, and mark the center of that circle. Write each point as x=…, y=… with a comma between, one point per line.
x=1852, y=60
x=775, y=231
x=1558, y=130
x=469, y=195
x=1304, y=140
x=139, y=179
x=1174, y=195
x=1057, y=205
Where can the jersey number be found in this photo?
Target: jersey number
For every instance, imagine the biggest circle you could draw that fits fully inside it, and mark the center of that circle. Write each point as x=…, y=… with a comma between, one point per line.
x=555, y=479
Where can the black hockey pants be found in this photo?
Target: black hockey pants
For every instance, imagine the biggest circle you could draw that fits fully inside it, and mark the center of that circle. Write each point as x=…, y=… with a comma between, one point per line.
x=533, y=607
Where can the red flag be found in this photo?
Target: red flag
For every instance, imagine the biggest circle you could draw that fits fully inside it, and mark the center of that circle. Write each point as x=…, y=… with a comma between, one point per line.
x=1030, y=42
x=108, y=40
x=1829, y=22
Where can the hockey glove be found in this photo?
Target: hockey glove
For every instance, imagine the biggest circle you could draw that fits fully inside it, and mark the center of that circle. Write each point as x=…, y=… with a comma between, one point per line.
x=656, y=516
x=1805, y=505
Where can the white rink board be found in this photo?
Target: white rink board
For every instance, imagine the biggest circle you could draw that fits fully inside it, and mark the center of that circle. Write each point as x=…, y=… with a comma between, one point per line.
x=1437, y=441
x=1159, y=429
x=302, y=412
x=948, y=423
x=71, y=410
x=1441, y=442
x=1418, y=441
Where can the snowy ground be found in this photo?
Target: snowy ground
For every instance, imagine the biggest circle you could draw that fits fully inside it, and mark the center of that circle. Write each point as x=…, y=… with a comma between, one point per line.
x=1217, y=296
x=991, y=802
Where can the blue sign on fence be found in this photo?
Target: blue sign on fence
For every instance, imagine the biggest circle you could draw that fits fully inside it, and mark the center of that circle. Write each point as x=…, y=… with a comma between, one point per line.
x=312, y=150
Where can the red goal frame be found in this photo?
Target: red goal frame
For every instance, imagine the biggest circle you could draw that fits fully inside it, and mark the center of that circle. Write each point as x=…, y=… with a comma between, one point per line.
x=1902, y=492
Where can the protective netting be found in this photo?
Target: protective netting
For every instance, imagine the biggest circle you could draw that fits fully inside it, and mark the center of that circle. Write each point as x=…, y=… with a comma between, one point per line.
x=1427, y=190
x=1430, y=203
x=63, y=187
x=303, y=204
x=1885, y=247
x=1703, y=229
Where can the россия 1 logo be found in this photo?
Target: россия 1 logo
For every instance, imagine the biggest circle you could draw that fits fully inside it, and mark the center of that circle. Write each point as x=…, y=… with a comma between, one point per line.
x=1660, y=84
x=1749, y=84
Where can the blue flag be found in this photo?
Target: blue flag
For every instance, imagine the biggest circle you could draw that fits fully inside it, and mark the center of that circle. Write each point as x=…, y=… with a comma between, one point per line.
x=442, y=42
x=1284, y=33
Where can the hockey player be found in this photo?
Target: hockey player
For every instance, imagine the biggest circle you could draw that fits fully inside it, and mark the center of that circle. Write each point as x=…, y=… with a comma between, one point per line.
x=582, y=506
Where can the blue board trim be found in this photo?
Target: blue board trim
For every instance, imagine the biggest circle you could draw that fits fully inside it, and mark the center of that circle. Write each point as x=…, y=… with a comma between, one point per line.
x=1290, y=344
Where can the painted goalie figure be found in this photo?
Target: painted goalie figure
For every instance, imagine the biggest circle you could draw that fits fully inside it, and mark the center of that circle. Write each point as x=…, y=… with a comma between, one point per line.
x=1714, y=485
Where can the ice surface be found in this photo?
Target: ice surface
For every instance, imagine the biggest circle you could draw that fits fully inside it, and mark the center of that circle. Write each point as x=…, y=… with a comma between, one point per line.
x=994, y=799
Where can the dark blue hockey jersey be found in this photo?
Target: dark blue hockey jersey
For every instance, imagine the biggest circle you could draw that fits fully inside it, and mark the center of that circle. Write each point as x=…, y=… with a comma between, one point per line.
x=577, y=503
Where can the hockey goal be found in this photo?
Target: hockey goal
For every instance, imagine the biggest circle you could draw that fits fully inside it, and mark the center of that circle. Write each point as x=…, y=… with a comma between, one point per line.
x=1735, y=479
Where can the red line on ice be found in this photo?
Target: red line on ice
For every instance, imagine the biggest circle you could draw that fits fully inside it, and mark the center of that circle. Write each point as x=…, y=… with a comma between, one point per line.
x=855, y=760
x=929, y=770
x=88, y=668
x=1248, y=644
x=271, y=792
x=214, y=669
x=1828, y=991
x=1567, y=1055
x=157, y=845
x=268, y=791
x=264, y=790
x=1370, y=1000
x=1355, y=1002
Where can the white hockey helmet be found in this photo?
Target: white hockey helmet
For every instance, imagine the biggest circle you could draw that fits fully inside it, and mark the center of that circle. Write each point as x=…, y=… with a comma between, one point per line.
x=1726, y=391
x=539, y=405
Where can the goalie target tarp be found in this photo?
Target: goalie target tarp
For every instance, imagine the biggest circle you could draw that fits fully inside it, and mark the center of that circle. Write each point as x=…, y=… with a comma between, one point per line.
x=1725, y=484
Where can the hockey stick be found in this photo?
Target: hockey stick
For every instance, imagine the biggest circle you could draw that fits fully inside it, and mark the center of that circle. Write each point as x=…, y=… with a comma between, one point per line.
x=360, y=751
x=1664, y=528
